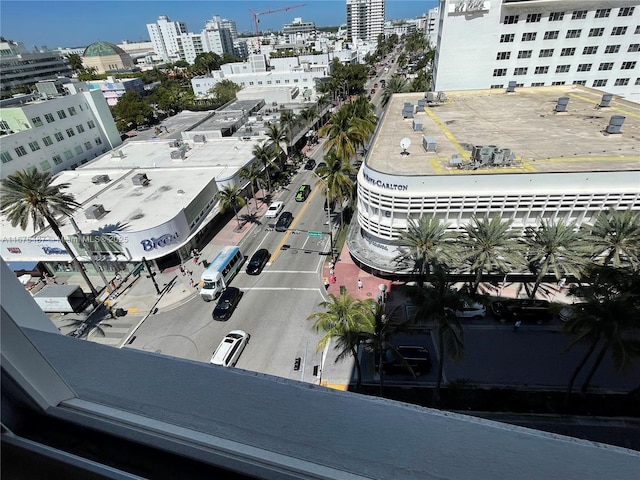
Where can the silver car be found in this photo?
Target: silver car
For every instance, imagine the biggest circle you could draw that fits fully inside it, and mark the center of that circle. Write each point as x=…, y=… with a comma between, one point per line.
x=229, y=350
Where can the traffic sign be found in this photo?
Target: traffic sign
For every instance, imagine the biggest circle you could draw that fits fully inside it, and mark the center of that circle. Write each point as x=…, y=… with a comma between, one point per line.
x=314, y=234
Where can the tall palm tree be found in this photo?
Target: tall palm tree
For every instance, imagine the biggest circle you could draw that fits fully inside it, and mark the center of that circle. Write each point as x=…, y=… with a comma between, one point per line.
x=396, y=84
x=263, y=154
x=344, y=134
x=490, y=244
x=427, y=244
x=252, y=173
x=336, y=180
x=288, y=121
x=616, y=235
x=278, y=136
x=439, y=304
x=29, y=196
x=364, y=110
x=343, y=319
x=555, y=248
x=308, y=116
x=230, y=197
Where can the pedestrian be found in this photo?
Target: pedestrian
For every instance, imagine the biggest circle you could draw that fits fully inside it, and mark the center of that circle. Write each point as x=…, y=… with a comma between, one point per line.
x=562, y=283
x=333, y=279
x=191, y=282
x=516, y=326
x=183, y=270
x=359, y=284
x=331, y=265
x=326, y=283
x=331, y=271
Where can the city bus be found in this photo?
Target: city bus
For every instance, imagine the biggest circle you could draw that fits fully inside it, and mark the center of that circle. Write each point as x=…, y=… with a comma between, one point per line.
x=220, y=272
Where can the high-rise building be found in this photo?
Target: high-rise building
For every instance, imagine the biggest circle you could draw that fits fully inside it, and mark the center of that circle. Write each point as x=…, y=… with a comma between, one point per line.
x=365, y=19
x=164, y=37
x=484, y=44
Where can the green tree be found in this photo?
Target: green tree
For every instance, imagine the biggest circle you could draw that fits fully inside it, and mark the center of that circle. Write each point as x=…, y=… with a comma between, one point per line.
x=343, y=319
x=131, y=109
x=263, y=154
x=231, y=197
x=278, y=136
x=30, y=196
x=555, y=248
x=205, y=63
x=288, y=121
x=344, y=134
x=489, y=244
x=88, y=73
x=396, y=84
x=335, y=177
x=75, y=62
x=425, y=245
x=309, y=115
x=225, y=91
x=616, y=236
x=252, y=173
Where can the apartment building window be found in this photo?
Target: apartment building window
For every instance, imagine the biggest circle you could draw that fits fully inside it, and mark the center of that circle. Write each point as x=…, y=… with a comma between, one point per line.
x=80, y=128
x=5, y=157
x=557, y=83
x=507, y=37
x=621, y=82
x=529, y=36
x=567, y=52
x=556, y=16
x=551, y=35
x=579, y=15
x=47, y=141
x=605, y=66
x=573, y=33
x=90, y=124
x=68, y=155
x=534, y=17
x=547, y=52
x=78, y=150
x=4, y=125
x=49, y=118
x=612, y=49
x=626, y=11
x=496, y=86
x=628, y=65
x=525, y=53
x=537, y=84
x=603, y=12
x=21, y=151
x=499, y=72
x=619, y=30
x=61, y=114
x=37, y=121
x=600, y=83
x=295, y=80
x=70, y=132
x=59, y=136
x=72, y=111
x=541, y=70
x=34, y=146
x=88, y=146
x=269, y=82
x=580, y=82
x=98, y=141
x=563, y=68
x=286, y=80
x=584, y=67
x=45, y=165
x=637, y=30
x=520, y=71
x=596, y=32
x=634, y=47
x=591, y=50
x=250, y=83
x=57, y=159
x=510, y=19
x=637, y=81
x=277, y=81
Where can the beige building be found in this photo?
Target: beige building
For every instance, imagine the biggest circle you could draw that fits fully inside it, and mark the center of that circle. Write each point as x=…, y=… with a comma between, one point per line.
x=106, y=57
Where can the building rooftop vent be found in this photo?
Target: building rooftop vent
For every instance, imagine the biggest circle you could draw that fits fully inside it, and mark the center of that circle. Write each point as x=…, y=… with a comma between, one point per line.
x=140, y=180
x=98, y=179
x=95, y=212
x=561, y=106
x=511, y=88
x=117, y=154
x=199, y=139
x=615, y=123
x=606, y=100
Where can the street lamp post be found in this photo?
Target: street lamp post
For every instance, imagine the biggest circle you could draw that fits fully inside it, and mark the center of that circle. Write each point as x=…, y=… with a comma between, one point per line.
x=328, y=209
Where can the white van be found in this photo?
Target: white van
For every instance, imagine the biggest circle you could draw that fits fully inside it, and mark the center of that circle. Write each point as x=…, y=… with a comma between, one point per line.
x=221, y=271
x=230, y=348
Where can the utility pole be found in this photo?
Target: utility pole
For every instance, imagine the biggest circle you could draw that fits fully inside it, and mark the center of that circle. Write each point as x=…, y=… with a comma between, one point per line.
x=91, y=259
x=153, y=279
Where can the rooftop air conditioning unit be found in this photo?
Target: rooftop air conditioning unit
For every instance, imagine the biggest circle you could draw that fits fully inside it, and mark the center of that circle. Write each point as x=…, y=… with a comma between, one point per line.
x=179, y=154
x=140, y=179
x=199, y=139
x=95, y=212
x=98, y=179
x=175, y=143
x=117, y=154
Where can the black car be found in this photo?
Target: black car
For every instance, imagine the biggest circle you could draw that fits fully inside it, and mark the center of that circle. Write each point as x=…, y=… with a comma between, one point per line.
x=310, y=164
x=524, y=310
x=227, y=303
x=258, y=261
x=284, y=221
x=320, y=165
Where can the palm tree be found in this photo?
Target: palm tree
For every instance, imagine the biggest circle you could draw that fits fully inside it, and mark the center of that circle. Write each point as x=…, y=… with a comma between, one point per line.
x=278, y=136
x=263, y=154
x=439, y=303
x=252, y=173
x=364, y=110
x=230, y=197
x=344, y=134
x=288, y=120
x=616, y=234
x=308, y=116
x=335, y=177
x=29, y=196
x=343, y=319
x=396, y=84
x=490, y=244
x=554, y=247
x=425, y=245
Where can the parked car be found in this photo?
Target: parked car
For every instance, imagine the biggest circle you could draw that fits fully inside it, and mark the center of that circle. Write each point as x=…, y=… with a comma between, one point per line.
x=258, y=261
x=227, y=303
x=474, y=310
x=568, y=312
x=229, y=350
x=303, y=193
x=274, y=209
x=284, y=221
x=417, y=357
x=310, y=164
x=525, y=310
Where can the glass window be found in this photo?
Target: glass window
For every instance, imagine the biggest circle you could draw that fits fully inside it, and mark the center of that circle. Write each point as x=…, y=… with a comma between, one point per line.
x=580, y=82
x=606, y=66
x=579, y=15
x=619, y=30
x=591, y=50
x=88, y=146
x=603, y=12
x=612, y=49
x=37, y=121
x=634, y=47
x=541, y=70
x=496, y=86
x=551, y=35
x=547, y=52
x=45, y=165
x=600, y=83
x=563, y=68
x=621, y=82
x=626, y=11
x=556, y=16
x=61, y=114
x=529, y=36
x=34, y=146
x=98, y=141
x=510, y=19
x=534, y=17
x=90, y=124
x=499, y=72
x=520, y=71
x=537, y=84
x=584, y=67
x=67, y=154
x=72, y=111
x=57, y=159
x=49, y=118
x=5, y=157
x=567, y=52
x=21, y=151
x=78, y=150
x=628, y=65
x=525, y=53
x=507, y=37
x=573, y=33
x=557, y=83
x=503, y=56
x=47, y=141
x=596, y=32
x=79, y=128
x=4, y=125
x=70, y=132
x=59, y=136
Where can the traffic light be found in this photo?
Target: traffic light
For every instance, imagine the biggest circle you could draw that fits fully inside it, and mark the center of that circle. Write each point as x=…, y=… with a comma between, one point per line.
x=296, y=363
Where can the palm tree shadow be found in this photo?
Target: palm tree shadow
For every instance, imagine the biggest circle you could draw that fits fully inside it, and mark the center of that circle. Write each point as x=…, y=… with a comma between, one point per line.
x=250, y=218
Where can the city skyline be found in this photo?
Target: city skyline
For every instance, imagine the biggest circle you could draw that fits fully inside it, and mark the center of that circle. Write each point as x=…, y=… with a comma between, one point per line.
x=46, y=23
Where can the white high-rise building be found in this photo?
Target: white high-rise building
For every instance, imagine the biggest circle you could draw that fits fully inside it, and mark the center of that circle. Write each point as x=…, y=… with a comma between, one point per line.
x=487, y=44
x=164, y=36
x=365, y=19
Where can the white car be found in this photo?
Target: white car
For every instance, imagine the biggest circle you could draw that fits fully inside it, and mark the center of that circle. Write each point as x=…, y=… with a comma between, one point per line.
x=474, y=310
x=229, y=350
x=274, y=209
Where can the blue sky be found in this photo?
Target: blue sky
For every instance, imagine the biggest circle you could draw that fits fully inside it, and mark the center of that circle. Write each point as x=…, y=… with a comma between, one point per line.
x=78, y=23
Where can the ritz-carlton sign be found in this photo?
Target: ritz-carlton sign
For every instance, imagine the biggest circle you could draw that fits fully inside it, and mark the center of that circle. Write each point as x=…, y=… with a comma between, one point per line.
x=382, y=184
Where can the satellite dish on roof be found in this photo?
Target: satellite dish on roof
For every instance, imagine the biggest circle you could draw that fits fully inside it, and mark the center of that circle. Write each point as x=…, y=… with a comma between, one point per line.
x=404, y=144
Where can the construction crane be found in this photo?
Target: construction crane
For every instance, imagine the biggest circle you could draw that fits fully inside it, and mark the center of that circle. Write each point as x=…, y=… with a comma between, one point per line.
x=256, y=20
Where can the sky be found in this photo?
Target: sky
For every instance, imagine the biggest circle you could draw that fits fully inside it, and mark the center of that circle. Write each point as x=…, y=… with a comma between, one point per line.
x=78, y=23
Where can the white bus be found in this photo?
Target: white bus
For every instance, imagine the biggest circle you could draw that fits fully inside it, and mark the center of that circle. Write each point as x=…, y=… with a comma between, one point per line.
x=221, y=271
